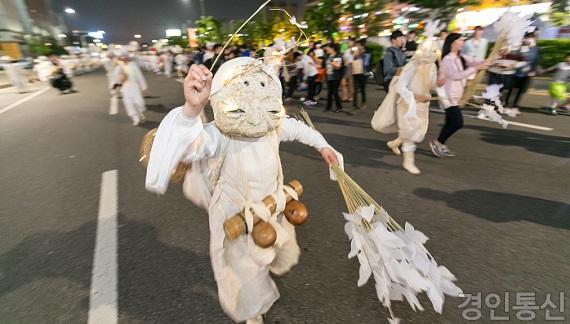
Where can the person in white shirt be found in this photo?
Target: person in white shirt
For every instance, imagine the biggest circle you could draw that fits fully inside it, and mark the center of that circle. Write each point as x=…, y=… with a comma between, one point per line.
x=310, y=73
x=476, y=46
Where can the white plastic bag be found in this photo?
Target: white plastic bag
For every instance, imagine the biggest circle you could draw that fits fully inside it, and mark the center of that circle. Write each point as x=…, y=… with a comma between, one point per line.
x=385, y=118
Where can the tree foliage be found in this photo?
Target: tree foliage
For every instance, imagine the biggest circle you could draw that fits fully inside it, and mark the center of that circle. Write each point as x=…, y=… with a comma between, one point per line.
x=209, y=29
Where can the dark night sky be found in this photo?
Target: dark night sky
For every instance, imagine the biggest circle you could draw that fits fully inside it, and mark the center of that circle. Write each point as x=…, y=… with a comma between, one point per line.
x=121, y=19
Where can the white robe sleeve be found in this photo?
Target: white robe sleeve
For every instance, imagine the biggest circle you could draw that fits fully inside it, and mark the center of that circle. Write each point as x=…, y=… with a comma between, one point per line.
x=178, y=138
x=403, y=91
x=295, y=130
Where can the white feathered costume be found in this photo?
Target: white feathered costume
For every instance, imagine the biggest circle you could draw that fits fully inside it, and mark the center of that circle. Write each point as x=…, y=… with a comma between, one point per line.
x=235, y=164
x=400, y=111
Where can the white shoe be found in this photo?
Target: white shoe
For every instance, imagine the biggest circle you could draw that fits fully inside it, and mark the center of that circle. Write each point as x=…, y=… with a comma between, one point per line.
x=409, y=163
x=481, y=115
x=257, y=320
x=394, y=146
x=510, y=112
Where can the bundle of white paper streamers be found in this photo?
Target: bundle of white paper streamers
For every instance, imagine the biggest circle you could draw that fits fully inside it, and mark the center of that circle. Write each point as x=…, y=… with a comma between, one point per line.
x=400, y=264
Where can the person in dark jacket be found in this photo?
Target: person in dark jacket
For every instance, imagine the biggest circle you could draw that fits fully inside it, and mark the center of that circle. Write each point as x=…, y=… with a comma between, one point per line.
x=394, y=58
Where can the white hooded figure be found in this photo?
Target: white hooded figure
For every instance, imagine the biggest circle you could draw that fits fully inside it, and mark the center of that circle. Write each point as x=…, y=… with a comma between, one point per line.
x=68, y=65
x=109, y=62
x=181, y=61
x=168, y=61
x=408, y=101
x=43, y=68
x=14, y=73
x=133, y=84
x=235, y=163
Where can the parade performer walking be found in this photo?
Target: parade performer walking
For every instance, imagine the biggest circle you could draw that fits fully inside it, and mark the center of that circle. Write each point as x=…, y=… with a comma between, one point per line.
x=226, y=176
x=408, y=100
x=132, y=84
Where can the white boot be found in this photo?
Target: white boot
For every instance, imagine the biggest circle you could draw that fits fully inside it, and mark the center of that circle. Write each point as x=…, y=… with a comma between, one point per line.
x=136, y=120
x=395, y=146
x=409, y=163
x=257, y=320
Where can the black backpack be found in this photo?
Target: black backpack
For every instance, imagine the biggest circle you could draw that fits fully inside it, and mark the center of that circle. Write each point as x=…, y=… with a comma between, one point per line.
x=379, y=72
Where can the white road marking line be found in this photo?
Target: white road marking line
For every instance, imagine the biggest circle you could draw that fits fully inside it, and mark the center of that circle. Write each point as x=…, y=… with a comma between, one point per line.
x=514, y=123
x=530, y=126
x=21, y=101
x=103, y=298
x=114, y=108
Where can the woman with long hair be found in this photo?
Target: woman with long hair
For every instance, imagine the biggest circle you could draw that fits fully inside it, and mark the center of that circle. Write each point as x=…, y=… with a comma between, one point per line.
x=455, y=70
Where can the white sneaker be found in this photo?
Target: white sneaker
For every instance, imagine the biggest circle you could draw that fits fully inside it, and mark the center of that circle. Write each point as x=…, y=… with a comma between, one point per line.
x=509, y=112
x=481, y=115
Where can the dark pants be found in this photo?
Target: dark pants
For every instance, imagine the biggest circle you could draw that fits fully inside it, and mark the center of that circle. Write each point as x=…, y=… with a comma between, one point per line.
x=453, y=123
x=318, y=88
x=359, y=85
x=387, y=85
x=312, y=87
x=520, y=84
x=292, y=86
x=333, y=86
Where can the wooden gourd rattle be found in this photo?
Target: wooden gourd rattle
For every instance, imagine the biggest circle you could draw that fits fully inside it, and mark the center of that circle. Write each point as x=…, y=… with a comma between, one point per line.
x=264, y=235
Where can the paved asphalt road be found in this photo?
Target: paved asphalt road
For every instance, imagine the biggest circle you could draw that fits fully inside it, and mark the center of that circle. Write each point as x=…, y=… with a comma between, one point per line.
x=498, y=215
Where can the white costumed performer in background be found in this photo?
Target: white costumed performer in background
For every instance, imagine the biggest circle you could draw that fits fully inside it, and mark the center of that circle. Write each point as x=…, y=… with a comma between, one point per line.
x=14, y=73
x=235, y=164
x=132, y=85
x=406, y=107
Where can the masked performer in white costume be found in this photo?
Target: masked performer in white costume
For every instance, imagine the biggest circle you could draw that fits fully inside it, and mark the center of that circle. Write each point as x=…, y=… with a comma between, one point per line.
x=132, y=84
x=410, y=96
x=235, y=164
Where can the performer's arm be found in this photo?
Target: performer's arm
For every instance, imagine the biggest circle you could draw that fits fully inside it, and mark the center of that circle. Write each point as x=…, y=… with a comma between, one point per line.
x=294, y=130
x=179, y=138
x=181, y=134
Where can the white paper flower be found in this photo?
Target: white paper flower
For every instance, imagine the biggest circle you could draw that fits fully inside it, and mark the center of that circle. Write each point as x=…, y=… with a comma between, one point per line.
x=302, y=25
x=397, y=260
x=431, y=27
x=512, y=26
x=492, y=92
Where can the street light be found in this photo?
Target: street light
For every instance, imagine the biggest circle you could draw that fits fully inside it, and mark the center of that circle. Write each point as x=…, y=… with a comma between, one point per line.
x=173, y=32
x=138, y=36
x=61, y=35
x=69, y=11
